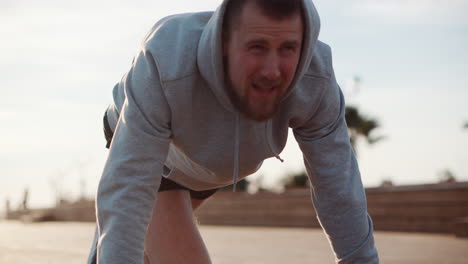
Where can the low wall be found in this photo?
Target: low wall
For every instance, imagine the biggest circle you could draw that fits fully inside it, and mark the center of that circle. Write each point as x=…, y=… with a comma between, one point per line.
x=423, y=208
x=292, y=208
x=82, y=211
x=79, y=212
x=437, y=208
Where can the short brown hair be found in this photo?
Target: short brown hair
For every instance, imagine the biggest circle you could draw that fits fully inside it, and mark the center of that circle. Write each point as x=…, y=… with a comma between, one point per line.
x=276, y=9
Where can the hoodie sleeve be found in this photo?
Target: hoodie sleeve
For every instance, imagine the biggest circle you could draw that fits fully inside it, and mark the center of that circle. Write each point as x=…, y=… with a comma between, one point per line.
x=132, y=173
x=336, y=188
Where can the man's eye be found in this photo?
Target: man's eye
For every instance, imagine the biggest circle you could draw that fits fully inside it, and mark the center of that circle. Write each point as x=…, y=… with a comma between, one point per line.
x=257, y=47
x=290, y=48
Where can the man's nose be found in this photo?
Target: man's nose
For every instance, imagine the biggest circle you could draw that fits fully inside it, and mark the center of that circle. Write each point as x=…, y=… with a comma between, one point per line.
x=271, y=67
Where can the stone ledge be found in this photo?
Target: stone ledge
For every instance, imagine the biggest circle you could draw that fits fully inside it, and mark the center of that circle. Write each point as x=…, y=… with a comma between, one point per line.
x=460, y=227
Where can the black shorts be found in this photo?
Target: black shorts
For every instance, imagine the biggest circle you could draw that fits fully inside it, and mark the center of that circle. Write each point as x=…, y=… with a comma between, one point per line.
x=166, y=184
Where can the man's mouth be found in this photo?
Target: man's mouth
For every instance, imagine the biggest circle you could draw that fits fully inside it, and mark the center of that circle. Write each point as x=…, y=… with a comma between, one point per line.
x=261, y=90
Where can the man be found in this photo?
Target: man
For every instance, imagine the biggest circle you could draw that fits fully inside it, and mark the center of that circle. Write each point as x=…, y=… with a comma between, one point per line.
x=208, y=97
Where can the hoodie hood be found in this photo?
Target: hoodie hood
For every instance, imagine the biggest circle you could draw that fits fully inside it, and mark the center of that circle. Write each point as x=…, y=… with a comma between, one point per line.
x=210, y=51
x=210, y=64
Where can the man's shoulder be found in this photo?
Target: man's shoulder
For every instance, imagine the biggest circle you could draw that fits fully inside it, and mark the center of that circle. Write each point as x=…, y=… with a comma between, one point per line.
x=173, y=43
x=310, y=89
x=321, y=63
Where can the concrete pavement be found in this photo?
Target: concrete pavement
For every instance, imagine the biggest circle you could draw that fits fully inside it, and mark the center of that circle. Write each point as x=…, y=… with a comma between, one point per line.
x=55, y=242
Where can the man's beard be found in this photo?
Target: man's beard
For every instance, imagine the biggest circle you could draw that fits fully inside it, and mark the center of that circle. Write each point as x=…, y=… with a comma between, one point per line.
x=241, y=103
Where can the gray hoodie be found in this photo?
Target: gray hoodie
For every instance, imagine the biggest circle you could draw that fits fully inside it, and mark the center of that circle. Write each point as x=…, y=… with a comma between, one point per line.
x=172, y=117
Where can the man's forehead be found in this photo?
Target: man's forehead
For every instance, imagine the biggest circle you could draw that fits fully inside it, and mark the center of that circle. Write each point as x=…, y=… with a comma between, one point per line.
x=272, y=29
x=254, y=19
x=262, y=26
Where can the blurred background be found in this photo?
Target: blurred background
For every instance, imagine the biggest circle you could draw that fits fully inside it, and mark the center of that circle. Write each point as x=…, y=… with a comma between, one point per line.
x=401, y=64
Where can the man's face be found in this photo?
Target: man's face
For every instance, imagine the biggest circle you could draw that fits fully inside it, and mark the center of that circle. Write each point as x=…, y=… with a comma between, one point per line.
x=261, y=57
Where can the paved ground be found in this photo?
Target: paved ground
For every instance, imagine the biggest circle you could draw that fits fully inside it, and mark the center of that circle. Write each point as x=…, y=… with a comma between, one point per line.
x=53, y=243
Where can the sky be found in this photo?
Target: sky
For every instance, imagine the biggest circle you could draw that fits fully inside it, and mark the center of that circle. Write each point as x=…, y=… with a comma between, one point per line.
x=60, y=59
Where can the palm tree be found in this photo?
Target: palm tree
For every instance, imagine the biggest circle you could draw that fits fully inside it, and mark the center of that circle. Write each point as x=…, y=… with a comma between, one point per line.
x=360, y=126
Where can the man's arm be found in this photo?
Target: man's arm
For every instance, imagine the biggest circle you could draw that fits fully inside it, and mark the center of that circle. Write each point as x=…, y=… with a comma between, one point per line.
x=132, y=174
x=337, y=192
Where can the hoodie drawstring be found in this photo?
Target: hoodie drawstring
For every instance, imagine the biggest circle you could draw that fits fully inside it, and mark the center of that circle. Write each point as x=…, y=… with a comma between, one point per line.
x=236, y=154
x=269, y=135
x=269, y=132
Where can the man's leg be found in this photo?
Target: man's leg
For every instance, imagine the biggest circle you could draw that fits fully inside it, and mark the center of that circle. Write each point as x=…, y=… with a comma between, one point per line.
x=173, y=235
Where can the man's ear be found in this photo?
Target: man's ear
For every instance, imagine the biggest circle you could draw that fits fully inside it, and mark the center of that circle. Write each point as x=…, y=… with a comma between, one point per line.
x=224, y=43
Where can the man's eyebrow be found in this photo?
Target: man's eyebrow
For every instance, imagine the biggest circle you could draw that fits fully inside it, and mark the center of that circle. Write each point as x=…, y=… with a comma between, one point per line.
x=291, y=43
x=265, y=42
x=257, y=41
